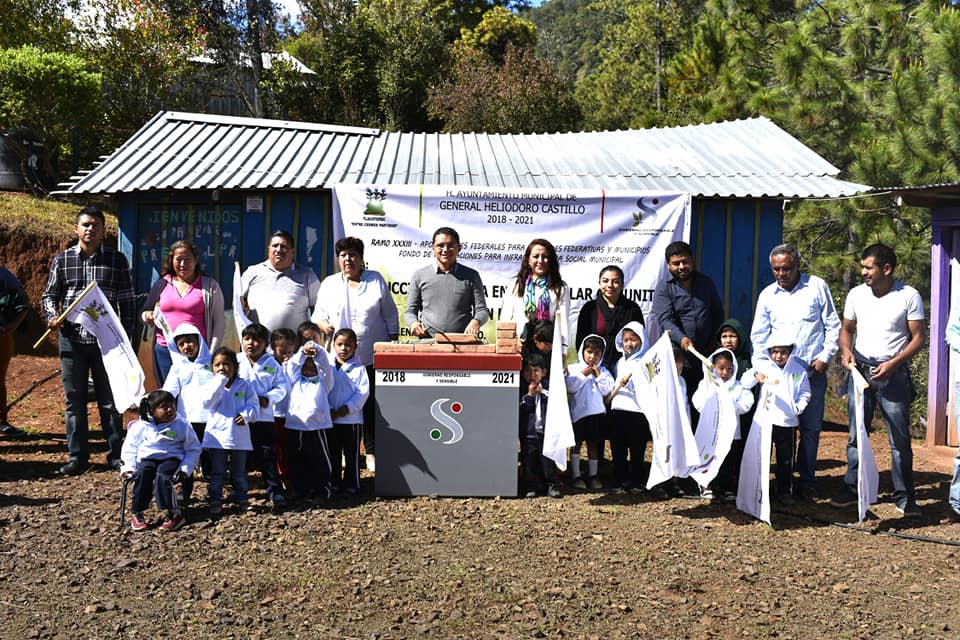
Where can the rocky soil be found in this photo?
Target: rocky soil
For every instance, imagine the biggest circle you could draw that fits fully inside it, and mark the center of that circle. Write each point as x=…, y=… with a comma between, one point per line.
x=592, y=565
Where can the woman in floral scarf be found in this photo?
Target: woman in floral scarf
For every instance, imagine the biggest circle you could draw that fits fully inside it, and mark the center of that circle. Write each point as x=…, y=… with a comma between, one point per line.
x=538, y=292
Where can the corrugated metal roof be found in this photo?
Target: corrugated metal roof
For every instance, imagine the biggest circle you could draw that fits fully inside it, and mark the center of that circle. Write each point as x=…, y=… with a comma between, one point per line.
x=187, y=151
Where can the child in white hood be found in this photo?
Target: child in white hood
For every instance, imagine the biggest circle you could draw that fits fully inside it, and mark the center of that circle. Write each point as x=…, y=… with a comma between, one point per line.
x=783, y=396
x=588, y=382
x=629, y=428
x=189, y=378
x=722, y=379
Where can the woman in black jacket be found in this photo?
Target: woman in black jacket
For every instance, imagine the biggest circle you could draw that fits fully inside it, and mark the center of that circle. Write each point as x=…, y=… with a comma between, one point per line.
x=606, y=314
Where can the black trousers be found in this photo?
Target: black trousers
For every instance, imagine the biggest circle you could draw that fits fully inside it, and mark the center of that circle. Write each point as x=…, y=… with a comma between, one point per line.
x=629, y=435
x=155, y=477
x=309, y=462
x=536, y=470
x=344, y=441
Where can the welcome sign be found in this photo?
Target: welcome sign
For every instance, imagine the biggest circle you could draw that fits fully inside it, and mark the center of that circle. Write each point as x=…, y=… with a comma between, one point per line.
x=589, y=228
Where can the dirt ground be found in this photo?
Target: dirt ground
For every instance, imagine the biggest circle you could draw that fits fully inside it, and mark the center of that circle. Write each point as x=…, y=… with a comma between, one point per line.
x=592, y=565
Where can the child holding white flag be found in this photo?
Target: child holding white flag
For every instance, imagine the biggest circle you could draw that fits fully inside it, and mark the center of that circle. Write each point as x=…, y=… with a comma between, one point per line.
x=785, y=384
x=720, y=399
x=629, y=428
x=589, y=382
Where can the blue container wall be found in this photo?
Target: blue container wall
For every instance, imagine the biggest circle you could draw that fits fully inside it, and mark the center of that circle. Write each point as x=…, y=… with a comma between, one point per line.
x=731, y=242
x=731, y=238
x=224, y=231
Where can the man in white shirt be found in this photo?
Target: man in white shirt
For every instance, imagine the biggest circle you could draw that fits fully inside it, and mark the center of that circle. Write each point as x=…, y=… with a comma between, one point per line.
x=278, y=292
x=883, y=327
x=801, y=304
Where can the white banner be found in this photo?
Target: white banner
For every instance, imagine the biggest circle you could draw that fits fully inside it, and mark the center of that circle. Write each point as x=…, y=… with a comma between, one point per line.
x=674, y=448
x=95, y=314
x=589, y=228
x=868, y=476
x=753, y=491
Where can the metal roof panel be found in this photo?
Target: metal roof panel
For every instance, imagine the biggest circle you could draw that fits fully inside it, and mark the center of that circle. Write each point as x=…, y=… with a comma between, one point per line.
x=737, y=159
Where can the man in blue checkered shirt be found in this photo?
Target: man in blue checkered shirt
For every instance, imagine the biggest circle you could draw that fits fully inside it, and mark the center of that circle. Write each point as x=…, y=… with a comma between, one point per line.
x=71, y=271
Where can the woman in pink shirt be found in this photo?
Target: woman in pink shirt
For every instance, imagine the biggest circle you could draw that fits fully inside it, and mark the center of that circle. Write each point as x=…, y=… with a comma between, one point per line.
x=183, y=294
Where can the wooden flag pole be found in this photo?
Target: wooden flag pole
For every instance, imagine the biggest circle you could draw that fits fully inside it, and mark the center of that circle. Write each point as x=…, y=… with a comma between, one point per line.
x=857, y=376
x=701, y=357
x=66, y=312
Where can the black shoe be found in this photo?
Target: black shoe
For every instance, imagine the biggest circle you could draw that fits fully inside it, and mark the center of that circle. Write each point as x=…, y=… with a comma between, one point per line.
x=73, y=468
x=115, y=464
x=844, y=498
x=786, y=500
x=950, y=517
x=8, y=429
x=807, y=494
x=908, y=509
x=553, y=491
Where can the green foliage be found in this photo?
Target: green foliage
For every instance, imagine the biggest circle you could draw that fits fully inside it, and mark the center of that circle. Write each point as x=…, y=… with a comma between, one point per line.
x=628, y=88
x=497, y=29
x=523, y=95
x=142, y=51
x=55, y=95
x=568, y=33
x=412, y=55
x=41, y=23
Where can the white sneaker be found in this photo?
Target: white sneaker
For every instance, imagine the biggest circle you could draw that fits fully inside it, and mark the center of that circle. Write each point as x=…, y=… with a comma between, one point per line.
x=371, y=464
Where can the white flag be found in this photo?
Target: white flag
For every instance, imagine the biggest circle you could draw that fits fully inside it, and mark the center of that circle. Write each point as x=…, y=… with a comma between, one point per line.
x=674, y=447
x=753, y=492
x=715, y=430
x=95, y=314
x=558, y=430
x=343, y=316
x=345, y=321
x=868, y=477
x=161, y=322
x=240, y=318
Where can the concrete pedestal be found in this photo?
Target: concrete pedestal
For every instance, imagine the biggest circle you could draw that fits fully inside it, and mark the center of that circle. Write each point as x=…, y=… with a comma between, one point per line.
x=447, y=424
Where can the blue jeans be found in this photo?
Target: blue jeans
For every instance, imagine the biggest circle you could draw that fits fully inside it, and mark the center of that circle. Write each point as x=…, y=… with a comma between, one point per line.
x=218, y=475
x=78, y=362
x=955, y=483
x=811, y=422
x=893, y=396
x=162, y=362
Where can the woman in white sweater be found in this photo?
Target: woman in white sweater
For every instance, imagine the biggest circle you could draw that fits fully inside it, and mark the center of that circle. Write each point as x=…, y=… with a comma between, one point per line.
x=538, y=291
x=358, y=298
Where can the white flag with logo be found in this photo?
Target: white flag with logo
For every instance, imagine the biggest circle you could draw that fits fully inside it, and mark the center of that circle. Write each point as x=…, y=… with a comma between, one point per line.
x=674, y=447
x=558, y=429
x=753, y=492
x=95, y=314
x=715, y=430
x=161, y=322
x=240, y=318
x=868, y=477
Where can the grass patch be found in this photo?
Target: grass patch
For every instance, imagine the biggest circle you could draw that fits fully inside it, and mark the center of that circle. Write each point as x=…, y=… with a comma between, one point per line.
x=23, y=212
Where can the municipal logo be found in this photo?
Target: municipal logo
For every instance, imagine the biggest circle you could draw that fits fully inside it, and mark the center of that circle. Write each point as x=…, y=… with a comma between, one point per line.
x=446, y=420
x=375, y=200
x=645, y=210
